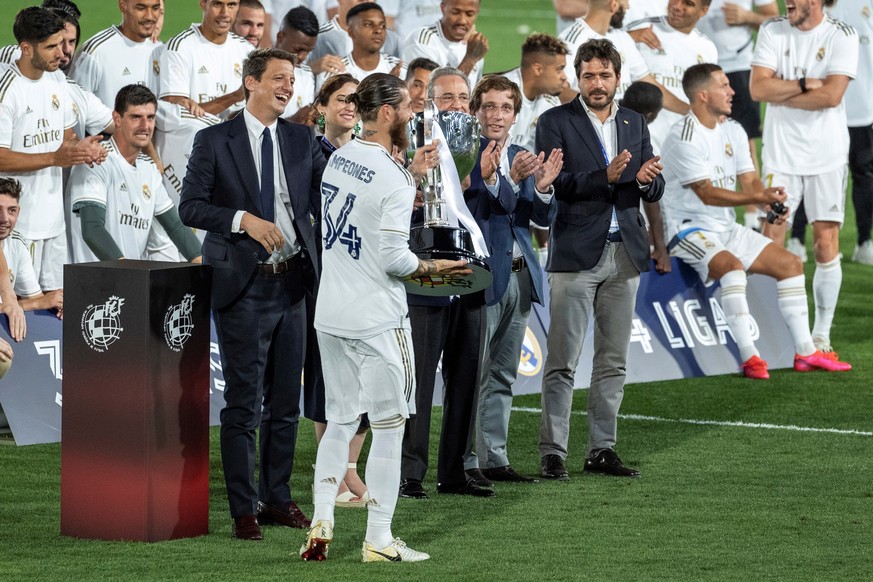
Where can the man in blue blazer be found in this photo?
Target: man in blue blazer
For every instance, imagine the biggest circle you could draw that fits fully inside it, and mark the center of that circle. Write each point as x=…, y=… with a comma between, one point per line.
x=598, y=246
x=523, y=194
x=254, y=184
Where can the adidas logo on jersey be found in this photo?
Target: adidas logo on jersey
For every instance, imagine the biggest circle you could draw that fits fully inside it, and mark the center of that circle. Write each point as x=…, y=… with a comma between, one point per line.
x=126, y=71
x=203, y=70
x=29, y=110
x=123, y=187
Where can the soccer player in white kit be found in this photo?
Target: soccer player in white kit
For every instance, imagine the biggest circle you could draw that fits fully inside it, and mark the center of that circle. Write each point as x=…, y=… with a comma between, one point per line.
x=201, y=67
x=37, y=140
x=802, y=65
x=409, y=15
x=704, y=158
x=451, y=41
x=361, y=315
x=115, y=204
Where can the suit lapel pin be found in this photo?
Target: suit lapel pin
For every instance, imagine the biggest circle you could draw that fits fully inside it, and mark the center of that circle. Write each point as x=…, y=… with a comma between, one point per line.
x=625, y=122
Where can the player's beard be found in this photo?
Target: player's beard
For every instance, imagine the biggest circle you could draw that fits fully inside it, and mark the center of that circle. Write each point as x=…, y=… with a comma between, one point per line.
x=590, y=102
x=617, y=19
x=398, y=135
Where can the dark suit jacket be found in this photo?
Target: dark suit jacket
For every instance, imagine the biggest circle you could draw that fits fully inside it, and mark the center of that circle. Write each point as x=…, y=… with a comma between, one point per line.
x=222, y=179
x=585, y=198
x=505, y=220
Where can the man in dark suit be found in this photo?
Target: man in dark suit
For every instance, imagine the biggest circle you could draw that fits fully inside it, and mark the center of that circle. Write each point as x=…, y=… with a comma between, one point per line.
x=253, y=183
x=504, y=212
x=598, y=246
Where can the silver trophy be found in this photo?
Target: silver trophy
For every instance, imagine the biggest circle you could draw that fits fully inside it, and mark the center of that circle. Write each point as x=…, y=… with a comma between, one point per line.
x=437, y=239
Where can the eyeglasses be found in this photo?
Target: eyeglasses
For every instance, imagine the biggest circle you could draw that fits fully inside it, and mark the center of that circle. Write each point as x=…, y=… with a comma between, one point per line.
x=505, y=109
x=451, y=98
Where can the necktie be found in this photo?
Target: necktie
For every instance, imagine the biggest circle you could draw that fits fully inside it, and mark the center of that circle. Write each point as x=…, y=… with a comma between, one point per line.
x=267, y=187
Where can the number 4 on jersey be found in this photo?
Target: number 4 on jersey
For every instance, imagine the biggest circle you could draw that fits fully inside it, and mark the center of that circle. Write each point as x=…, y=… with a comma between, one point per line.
x=334, y=229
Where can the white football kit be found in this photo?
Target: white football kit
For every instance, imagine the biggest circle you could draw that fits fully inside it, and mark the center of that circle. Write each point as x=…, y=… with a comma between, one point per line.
x=668, y=65
x=430, y=42
x=386, y=65
x=304, y=90
x=109, y=60
x=859, y=105
x=410, y=15
x=734, y=43
x=524, y=131
x=132, y=196
x=24, y=281
x=192, y=66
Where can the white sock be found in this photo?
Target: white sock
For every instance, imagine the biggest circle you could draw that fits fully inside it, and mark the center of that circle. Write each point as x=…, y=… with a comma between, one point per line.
x=826, y=285
x=794, y=306
x=383, y=478
x=331, y=463
x=736, y=311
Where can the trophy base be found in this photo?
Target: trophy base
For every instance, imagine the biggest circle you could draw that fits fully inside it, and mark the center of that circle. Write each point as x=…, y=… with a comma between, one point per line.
x=451, y=243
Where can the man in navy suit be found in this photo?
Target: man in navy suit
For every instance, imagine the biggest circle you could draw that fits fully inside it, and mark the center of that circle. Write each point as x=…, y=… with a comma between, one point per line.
x=598, y=246
x=524, y=194
x=253, y=183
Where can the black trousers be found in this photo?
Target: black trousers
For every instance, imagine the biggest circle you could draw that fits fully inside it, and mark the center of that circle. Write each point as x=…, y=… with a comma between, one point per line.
x=455, y=331
x=262, y=339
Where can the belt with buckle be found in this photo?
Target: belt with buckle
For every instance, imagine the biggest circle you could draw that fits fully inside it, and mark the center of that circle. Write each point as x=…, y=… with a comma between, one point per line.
x=279, y=268
x=518, y=263
x=614, y=237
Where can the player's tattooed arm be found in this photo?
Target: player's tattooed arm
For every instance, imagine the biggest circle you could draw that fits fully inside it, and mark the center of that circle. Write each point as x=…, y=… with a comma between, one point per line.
x=441, y=267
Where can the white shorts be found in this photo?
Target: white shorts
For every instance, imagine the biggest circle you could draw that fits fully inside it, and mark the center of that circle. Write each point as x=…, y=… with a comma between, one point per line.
x=375, y=375
x=697, y=248
x=823, y=195
x=49, y=256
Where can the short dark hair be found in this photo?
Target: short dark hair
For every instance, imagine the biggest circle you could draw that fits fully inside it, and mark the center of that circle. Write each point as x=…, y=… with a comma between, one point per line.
x=541, y=43
x=68, y=12
x=420, y=63
x=697, y=77
x=256, y=63
x=495, y=82
x=133, y=96
x=597, y=48
x=301, y=18
x=375, y=91
x=10, y=187
x=256, y=4
x=35, y=24
x=363, y=7
x=328, y=88
x=644, y=98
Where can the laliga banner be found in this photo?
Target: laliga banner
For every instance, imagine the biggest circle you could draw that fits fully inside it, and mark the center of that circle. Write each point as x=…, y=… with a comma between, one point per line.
x=679, y=332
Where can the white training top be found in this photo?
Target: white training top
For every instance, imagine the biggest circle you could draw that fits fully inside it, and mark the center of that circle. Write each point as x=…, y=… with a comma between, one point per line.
x=175, y=128
x=859, y=15
x=679, y=51
x=524, y=131
x=131, y=195
x=734, y=43
x=633, y=67
x=33, y=118
x=386, y=65
x=693, y=152
x=92, y=116
x=415, y=14
x=794, y=138
x=640, y=11
x=429, y=42
x=192, y=66
x=367, y=200
x=24, y=280
x=109, y=60
x=304, y=90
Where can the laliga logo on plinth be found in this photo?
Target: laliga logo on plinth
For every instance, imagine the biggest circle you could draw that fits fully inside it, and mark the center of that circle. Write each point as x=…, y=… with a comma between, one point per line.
x=178, y=323
x=531, y=361
x=100, y=324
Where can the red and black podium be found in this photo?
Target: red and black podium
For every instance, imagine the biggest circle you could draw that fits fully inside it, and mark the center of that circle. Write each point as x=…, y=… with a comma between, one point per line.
x=135, y=424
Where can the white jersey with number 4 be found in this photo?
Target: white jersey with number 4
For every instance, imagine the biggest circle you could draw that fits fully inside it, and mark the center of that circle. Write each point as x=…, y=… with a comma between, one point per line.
x=194, y=67
x=33, y=118
x=693, y=152
x=367, y=199
x=131, y=194
x=797, y=141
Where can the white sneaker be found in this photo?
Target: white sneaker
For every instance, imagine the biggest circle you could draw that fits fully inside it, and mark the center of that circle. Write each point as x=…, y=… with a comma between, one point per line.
x=396, y=551
x=864, y=254
x=795, y=247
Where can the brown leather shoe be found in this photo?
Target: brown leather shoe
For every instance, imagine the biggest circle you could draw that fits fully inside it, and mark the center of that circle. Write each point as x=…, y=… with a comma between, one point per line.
x=292, y=518
x=247, y=528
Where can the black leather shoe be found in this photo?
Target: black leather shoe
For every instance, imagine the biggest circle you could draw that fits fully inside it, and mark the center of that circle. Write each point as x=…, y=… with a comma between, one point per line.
x=293, y=517
x=605, y=461
x=247, y=528
x=478, y=477
x=412, y=489
x=552, y=467
x=508, y=475
x=466, y=488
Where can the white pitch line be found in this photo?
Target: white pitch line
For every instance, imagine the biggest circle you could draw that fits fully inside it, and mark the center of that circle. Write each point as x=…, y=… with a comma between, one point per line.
x=737, y=423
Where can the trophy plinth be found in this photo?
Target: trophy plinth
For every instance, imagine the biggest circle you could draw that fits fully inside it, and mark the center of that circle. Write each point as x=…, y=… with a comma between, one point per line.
x=437, y=239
